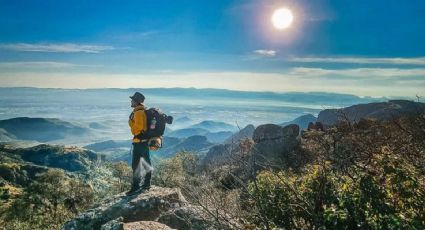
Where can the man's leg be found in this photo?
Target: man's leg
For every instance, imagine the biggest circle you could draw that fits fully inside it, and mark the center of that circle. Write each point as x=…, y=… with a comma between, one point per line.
x=135, y=165
x=148, y=168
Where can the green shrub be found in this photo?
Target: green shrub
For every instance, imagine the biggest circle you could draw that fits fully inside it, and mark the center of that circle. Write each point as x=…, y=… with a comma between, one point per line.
x=388, y=194
x=176, y=171
x=48, y=202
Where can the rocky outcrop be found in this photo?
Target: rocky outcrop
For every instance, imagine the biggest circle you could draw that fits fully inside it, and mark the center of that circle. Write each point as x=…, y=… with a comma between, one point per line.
x=270, y=145
x=271, y=132
x=273, y=143
x=20, y=166
x=139, y=225
x=67, y=158
x=160, y=208
x=385, y=111
x=145, y=225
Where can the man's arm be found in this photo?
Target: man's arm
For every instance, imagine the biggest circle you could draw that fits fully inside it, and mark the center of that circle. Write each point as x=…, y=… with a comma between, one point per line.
x=140, y=123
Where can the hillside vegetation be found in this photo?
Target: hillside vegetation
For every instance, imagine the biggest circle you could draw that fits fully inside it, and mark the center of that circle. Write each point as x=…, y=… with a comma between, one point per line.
x=43, y=186
x=363, y=175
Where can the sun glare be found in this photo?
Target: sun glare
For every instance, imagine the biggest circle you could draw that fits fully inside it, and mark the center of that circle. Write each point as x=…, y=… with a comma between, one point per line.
x=282, y=18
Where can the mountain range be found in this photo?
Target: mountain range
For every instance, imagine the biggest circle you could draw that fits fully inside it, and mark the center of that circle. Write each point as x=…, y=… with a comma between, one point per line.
x=39, y=129
x=197, y=137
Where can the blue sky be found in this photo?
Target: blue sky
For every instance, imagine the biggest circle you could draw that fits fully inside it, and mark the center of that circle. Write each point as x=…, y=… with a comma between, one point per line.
x=370, y=48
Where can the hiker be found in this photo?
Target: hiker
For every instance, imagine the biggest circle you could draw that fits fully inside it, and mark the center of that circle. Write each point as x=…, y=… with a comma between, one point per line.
x=139, y=126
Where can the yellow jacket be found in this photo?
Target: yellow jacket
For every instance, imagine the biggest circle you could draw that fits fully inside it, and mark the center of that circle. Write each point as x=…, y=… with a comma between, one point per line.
x=138, y=122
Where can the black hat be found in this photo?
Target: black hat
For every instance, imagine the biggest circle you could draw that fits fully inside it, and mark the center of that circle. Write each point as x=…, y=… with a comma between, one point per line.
x=138, y=97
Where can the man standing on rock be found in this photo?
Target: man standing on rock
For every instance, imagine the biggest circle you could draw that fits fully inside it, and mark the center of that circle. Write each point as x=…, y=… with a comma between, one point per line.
x=138, y=124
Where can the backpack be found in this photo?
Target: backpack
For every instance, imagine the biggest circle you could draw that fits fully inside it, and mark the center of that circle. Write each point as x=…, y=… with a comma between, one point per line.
x=156, y=121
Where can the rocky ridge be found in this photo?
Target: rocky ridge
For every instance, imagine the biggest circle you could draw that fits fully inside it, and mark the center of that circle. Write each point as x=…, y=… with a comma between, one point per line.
x=384, y=111
x=159, y=208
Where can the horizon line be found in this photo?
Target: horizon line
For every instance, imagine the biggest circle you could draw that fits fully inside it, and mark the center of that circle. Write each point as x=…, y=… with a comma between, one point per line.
x=195, y=88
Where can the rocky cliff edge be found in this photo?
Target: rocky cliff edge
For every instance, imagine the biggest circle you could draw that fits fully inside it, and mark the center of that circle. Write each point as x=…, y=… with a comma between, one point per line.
x=160, y=208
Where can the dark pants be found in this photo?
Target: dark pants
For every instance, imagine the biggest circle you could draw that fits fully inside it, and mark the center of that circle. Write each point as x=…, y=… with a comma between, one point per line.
x=141, y=150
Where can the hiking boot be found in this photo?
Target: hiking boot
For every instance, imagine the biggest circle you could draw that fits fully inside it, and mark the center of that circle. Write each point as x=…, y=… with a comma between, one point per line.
x=145, y=188
x=135, y=187
x=133, y=191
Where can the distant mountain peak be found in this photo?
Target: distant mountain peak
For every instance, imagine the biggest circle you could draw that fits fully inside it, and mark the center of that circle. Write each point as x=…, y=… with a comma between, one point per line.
x=245, y=133
x=301, y=121
x=40, y=129
x=215, y=126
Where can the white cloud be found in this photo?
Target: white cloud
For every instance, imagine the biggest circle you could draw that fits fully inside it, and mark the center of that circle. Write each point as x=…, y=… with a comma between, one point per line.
x=56, y=48
x=266, y=53
x=382, y=73
x=360, y=60
x=41, y=64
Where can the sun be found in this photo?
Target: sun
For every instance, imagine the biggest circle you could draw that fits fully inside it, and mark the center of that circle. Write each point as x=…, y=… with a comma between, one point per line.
x=282, y=18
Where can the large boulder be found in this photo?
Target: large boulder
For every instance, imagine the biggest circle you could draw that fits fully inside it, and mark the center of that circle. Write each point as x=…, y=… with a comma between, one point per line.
x=272, y=132
x=273, y=143
x=145, y=225
x=158, y=207
x=178, y=218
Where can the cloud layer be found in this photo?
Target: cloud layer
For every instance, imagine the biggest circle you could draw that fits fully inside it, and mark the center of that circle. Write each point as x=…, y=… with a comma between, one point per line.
x=36, y=65
x=360, y=60
x=56, y=47
x=360, y=81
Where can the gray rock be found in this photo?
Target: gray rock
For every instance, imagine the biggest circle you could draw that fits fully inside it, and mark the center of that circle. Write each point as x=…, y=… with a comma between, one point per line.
x=188, y=217
x=267, y=132
x=160, y=208
x=146, y=225
x=271, y=132
x=273, y=143
x=116, y=224
x=142, y=207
